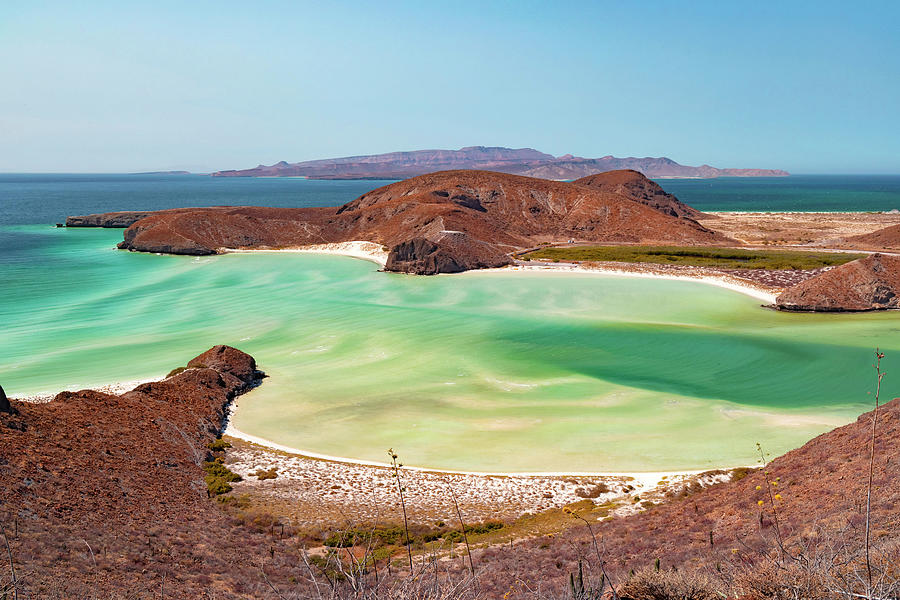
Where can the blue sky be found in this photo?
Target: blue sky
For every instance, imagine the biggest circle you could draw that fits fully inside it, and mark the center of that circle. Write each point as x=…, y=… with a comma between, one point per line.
x=812, y=87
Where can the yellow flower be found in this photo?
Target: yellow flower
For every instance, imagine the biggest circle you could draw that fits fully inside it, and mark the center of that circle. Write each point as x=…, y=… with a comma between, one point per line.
x=759, y=487
x=774, y=483
x=760, y=502
x=778, y=496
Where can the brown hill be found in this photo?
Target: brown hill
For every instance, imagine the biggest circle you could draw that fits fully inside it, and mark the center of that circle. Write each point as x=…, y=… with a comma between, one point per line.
x=637, y=187
x=870, y=283
x=103, y=496
x=469, y=219
x=883, y=239
x=521, y=161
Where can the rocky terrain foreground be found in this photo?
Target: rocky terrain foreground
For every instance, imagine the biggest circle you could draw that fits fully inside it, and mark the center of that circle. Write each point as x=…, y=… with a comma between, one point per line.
x=520, y=161
x=103, y=496
x=443, y=222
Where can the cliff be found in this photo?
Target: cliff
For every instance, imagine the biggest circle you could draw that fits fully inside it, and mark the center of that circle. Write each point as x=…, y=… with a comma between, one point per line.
x=521, y=161
x=871, y=283
x=469, y=219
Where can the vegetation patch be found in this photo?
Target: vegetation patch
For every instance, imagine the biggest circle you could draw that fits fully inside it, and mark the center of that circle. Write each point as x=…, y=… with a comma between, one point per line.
x=219, y=477
x=719, y=258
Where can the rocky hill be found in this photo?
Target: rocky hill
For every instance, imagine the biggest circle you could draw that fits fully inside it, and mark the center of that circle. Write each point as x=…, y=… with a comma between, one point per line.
x=443, y=222
x=646, y=191
x=870, y=283
x=521, y=161
x=883, y=239
x=103, y=496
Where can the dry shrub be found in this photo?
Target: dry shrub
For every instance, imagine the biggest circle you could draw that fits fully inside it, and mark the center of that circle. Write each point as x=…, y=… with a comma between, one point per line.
x=650, y=584
x=770, y=581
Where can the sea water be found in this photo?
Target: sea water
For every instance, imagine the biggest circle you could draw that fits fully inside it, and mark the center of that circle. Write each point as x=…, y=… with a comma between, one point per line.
x=501, y=372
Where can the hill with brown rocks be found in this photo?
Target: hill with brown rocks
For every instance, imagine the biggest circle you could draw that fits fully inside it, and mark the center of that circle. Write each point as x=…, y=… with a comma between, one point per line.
x=103, y=496
x=443, y=222
x=519, y=161
x=634, y=185
x=870, y=283
x=883, y=239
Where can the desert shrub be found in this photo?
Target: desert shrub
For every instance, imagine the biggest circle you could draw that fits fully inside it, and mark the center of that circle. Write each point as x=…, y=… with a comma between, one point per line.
x=594, y=492
x=264, y=474
x=218, y=445
x=176, y=371
x=219, y=477
x=650, y=584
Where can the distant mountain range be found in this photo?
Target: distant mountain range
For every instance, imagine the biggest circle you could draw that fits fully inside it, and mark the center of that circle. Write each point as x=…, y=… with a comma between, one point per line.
x=520, y=161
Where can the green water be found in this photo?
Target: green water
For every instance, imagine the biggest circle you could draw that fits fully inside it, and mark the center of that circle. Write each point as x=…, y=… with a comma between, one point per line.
x=488, y=372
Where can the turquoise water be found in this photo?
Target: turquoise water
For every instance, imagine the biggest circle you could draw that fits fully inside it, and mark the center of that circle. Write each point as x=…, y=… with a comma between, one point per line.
x=50, y=198
x=491, y=372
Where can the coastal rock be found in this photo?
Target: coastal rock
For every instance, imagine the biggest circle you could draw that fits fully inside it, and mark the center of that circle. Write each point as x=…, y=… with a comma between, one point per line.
x=454, y=253
x=638, y=187
x=871, y=283
x=119, y=219
x=476, y=219
x=5, y=406
x=229, y=361
x=519, y=161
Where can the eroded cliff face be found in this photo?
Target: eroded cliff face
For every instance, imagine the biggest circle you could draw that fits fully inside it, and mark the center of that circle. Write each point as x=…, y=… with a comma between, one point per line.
x=871, y=283
x=469, y=219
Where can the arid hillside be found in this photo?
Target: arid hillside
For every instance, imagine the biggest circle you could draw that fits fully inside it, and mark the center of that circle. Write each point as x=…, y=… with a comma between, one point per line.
x=438, y=223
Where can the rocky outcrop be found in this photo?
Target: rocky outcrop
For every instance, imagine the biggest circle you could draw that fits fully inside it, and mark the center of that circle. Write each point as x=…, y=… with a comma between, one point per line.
x=637, y=187
x=110, y=219
x=520, y=161
x=871, y=283
x=470, y=219
x=453, y=253
x=5, y=406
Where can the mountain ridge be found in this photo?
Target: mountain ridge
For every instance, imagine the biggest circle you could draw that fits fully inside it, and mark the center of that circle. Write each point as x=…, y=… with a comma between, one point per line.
x=516, y=161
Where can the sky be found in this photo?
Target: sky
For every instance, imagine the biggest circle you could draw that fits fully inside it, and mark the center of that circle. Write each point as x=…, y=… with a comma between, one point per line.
x=811, y=87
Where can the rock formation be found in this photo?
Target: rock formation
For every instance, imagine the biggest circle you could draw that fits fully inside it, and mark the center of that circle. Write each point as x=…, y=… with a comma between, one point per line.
x=5, y=406
x=870, y=283
x=469, y=219
x=111, y=219
x=521, y=161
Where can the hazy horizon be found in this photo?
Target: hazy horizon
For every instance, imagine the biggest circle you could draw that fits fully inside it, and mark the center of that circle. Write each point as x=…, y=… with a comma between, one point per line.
x=105, y=87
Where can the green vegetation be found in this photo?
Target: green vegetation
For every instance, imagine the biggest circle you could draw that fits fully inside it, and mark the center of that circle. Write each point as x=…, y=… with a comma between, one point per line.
x=723, y=258
x=219, y=477
x=218, y=445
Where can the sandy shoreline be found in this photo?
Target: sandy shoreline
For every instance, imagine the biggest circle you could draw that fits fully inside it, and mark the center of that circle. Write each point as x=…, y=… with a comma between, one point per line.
x=376, y=253
x=356, y=249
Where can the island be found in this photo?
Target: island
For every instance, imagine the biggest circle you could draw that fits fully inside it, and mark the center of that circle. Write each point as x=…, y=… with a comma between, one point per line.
x=519, y=161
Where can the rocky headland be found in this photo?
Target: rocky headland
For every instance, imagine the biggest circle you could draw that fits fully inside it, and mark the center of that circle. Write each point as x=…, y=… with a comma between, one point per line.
x=870, y=283
x=519, y=161
x=443, y=222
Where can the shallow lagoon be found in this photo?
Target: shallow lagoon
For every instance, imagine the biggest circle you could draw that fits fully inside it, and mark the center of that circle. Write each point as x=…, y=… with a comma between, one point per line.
x=489, y=372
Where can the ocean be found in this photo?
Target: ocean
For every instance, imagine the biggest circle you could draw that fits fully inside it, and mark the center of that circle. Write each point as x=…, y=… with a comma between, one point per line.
x=489, y=372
